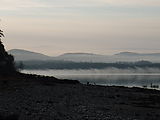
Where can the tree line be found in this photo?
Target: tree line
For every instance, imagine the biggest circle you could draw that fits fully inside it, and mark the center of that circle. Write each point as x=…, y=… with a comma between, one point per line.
x=83, y=65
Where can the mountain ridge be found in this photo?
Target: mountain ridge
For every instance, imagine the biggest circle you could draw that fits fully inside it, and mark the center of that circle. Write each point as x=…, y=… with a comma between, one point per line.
x=82, y=53
x=24, y=55
x=21, y=54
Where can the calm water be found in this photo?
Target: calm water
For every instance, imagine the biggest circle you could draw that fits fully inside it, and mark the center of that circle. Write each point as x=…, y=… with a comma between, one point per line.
x=102, y=77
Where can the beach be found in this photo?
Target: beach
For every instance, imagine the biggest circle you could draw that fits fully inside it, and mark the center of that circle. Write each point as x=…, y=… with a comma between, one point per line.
x=31, y=97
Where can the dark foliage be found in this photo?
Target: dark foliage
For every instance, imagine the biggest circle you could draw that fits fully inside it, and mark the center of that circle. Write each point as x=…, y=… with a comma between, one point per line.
x=6, y=60
x=85, y=65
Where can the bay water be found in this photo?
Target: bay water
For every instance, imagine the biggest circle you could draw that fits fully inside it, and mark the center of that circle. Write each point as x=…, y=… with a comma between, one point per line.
x=104, y=77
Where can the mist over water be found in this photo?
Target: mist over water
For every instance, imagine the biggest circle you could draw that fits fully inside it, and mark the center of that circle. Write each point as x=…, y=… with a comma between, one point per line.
x=120, y=77
x=52, y=72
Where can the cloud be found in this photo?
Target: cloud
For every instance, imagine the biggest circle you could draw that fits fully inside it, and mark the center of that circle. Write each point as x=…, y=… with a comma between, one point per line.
x=17, y=4
x=76, y=23
x=129, y=2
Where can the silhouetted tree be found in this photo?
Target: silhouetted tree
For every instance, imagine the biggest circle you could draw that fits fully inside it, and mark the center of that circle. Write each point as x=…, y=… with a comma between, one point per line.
x=6, y=60
x=1, y=34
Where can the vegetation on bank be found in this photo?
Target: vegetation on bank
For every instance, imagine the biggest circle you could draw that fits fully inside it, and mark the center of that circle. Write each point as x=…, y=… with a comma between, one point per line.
x=6, y=60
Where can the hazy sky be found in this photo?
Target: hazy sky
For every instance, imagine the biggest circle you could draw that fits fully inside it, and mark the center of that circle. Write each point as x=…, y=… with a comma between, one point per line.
x=54, y=27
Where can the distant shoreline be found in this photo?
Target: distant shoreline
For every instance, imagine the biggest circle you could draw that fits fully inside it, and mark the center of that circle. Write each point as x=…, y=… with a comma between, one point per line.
x=41, y=64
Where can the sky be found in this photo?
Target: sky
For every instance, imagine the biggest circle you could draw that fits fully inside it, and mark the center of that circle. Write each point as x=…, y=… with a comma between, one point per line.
x=54, y=27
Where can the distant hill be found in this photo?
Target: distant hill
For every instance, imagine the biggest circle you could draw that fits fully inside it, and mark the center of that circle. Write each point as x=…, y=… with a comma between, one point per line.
x=24, y=55
x=122, y=56
x=131, y=56
x=82, y=57
x=128, y=54
x=137, y=54
x=77, y=54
